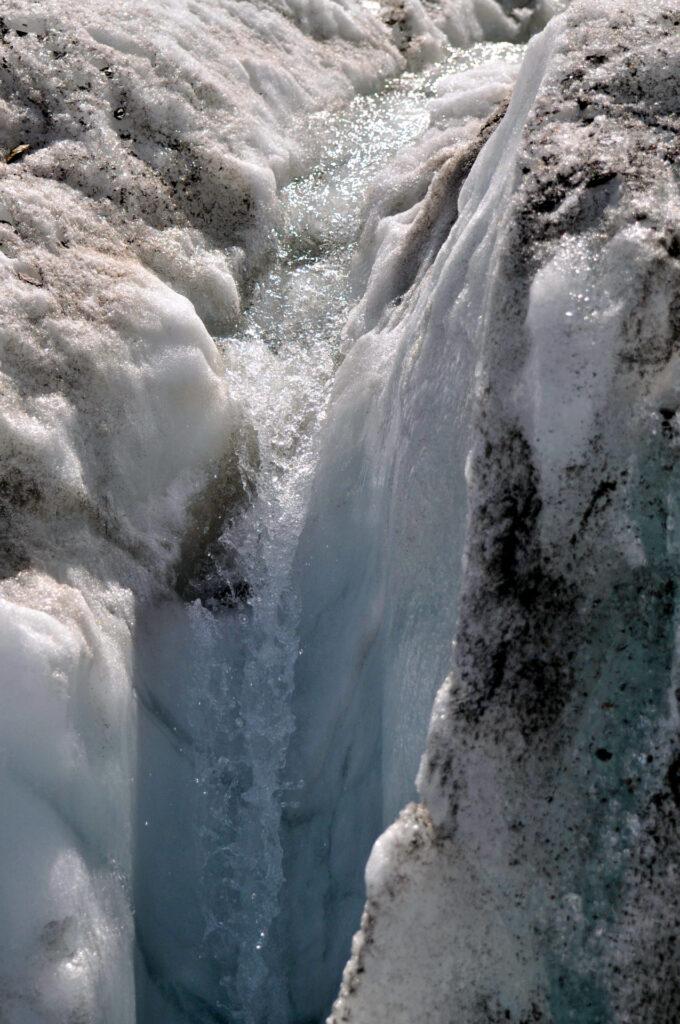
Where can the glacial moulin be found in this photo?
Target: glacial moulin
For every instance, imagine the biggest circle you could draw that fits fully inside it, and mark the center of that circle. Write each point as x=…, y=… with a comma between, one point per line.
x=537, y=880
x=229, y=586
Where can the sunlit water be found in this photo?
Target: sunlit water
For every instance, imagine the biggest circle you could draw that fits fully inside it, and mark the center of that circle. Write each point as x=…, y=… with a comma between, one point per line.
x=282, y=361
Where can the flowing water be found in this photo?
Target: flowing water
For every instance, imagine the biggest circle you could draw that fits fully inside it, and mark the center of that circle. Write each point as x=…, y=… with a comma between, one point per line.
x=225, y=674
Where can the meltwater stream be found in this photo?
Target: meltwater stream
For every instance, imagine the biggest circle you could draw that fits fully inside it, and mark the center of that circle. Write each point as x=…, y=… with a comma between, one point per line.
x=216, y=676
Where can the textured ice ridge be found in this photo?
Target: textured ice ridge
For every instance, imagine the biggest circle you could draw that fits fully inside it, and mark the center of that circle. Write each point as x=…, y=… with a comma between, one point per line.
x=537, y=880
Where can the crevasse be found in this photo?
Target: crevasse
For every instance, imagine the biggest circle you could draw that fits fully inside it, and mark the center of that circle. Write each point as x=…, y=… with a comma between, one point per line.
x=291, y=760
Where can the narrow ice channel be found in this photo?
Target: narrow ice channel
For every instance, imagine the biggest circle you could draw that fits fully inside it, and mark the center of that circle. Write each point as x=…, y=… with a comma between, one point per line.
x=216, y=674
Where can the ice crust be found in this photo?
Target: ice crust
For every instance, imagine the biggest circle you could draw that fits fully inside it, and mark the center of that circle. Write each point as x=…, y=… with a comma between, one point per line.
x=534, y=882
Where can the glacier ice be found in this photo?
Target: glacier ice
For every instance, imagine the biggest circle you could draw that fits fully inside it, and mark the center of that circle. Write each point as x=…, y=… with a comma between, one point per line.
x=242, y=526
x=534, y=881
x=378, y=604
x=250, y=671
x=146, y=150
x=136, y=215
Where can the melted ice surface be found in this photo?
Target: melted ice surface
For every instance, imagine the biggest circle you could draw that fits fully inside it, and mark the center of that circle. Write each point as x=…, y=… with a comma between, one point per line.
x=233, y=692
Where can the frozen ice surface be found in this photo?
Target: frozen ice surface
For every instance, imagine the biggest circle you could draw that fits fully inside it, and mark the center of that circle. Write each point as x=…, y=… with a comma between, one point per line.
x=377, y=591
x=251, y=670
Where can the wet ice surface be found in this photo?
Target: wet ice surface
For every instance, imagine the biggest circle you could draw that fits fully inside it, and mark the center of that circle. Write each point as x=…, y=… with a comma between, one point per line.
x=233, y=691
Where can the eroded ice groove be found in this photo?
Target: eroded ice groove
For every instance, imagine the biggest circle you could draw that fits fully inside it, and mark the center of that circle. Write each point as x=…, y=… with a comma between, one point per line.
x=230, y=704
x=537, y=879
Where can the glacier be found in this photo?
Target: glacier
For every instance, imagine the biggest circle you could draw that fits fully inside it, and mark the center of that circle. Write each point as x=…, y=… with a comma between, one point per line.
x=337, y=349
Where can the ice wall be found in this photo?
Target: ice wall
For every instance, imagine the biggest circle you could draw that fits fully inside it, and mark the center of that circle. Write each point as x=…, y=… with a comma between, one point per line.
x=142, y=150
x=535, y=881
x=377, y=585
